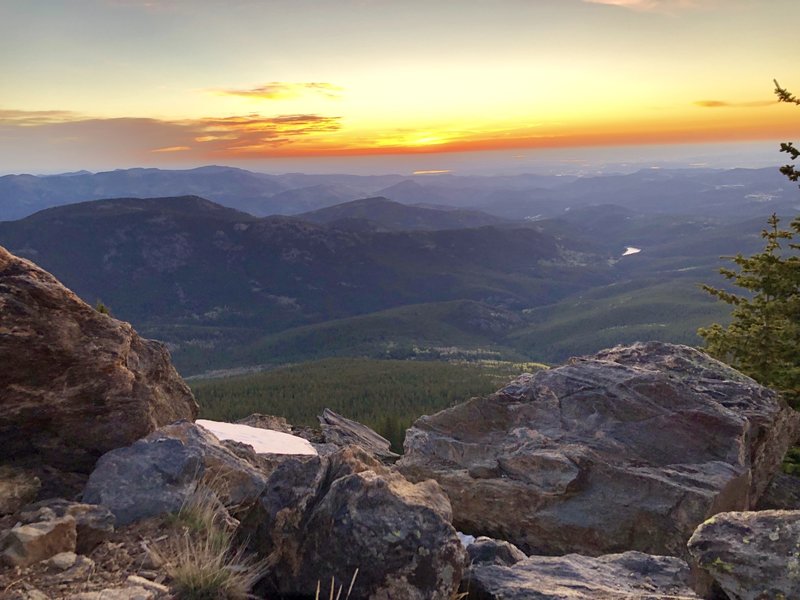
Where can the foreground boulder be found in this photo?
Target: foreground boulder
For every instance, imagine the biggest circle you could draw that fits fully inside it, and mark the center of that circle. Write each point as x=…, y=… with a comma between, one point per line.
x=575, y=577
x=157, y=474
x=75, y=383
x=326, y=517
x=628, y=450
x=751, y=555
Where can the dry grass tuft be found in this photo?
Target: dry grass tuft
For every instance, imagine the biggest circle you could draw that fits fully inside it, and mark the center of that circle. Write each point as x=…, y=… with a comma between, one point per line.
x=338, y=595
x=202, y=560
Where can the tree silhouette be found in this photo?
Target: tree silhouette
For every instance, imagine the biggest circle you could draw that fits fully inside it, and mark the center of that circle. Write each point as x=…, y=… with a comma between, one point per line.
x=763, y=338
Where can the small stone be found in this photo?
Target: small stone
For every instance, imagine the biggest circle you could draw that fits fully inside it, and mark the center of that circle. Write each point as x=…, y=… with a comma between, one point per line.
x=79, y=571
x=34, y=595
x=62, y=561
x=151, y=560
x=151, y=575
x=135, y=580
x=94, y=523
x=485, y=550
x=28, y=544
x=127, y=593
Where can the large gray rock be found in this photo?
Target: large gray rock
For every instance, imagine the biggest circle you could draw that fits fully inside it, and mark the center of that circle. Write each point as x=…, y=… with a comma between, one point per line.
x=75, y=383
x=324, y=517
x=627, y=576
x=628, y=450
x=157, y=474
x=751, y=555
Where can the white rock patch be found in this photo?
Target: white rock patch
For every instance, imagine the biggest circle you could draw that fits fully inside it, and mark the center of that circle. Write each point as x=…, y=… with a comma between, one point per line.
x=264, y=441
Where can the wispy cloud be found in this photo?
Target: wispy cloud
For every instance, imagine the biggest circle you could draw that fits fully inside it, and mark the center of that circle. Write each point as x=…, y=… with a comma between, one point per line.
x=58, y=133
x=35, y=117
x=172, y=149
x=663, y=6
x=725, y=104
x=255, y=133
x=281, y=90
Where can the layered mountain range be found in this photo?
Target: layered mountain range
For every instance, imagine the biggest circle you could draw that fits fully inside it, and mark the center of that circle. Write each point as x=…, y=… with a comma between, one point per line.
x=735, y=193
x=377, y=277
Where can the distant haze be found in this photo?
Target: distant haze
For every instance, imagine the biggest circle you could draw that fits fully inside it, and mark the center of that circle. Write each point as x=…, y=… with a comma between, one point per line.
x=564, y=161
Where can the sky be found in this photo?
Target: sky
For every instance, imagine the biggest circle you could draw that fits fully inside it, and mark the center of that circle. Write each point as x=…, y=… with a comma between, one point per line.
x=393, y=85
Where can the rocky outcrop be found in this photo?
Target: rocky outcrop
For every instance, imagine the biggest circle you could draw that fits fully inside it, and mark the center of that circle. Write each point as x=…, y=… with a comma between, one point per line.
x=575, y=577
x=342, y=432
x=158, y=473
x=325, y=517
x=75, y=383
x=627, y=450
x=751, y=555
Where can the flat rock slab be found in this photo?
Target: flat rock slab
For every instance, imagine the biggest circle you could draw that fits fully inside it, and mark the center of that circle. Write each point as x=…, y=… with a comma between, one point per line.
x=341, y=431
x=263, y=441
x=628, y=450
x=627, y=576
x=751, y=555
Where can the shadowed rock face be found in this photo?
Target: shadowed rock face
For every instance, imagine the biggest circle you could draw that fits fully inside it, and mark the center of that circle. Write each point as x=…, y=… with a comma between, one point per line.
x=75, y=383
x=628, y=450
x=751, y=555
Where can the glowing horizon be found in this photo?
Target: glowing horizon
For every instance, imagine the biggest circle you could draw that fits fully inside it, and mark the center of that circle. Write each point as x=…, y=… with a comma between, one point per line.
x=177, y=82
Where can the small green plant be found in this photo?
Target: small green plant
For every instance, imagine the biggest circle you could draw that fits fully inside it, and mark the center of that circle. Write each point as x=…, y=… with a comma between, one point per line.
x=100, y=307
x=201, y=558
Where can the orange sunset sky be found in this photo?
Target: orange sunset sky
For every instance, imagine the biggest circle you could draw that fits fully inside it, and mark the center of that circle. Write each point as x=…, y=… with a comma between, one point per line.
x=290, y=84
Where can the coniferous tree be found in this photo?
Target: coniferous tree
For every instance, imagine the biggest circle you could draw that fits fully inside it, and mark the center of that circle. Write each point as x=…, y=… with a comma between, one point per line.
x=763, y=338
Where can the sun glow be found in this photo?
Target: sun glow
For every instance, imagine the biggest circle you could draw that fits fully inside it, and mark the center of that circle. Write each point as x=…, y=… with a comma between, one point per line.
x=488, y=76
